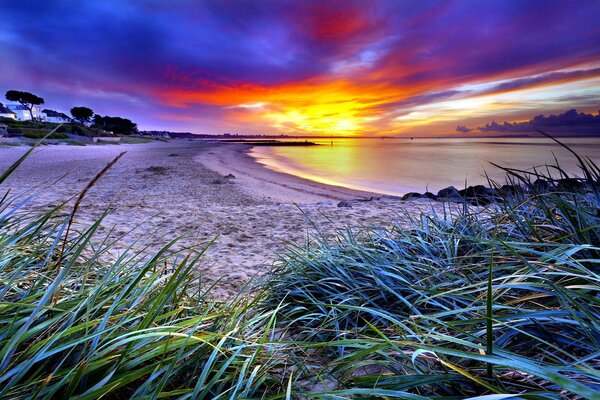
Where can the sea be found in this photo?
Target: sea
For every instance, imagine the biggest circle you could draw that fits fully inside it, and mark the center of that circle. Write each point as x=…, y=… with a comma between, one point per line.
x=396, y=166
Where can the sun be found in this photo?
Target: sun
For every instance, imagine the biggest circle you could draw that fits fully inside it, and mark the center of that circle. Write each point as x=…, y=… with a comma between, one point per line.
x=345, y=125
x=332, y=118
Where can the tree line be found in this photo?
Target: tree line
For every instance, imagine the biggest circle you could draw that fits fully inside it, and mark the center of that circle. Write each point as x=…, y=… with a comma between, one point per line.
x=83, y=115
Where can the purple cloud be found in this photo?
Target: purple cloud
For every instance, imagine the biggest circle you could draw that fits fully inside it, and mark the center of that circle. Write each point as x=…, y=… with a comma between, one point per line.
x=120, y=56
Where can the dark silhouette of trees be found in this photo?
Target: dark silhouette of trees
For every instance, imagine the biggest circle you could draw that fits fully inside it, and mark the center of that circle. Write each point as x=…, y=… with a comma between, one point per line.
x=116, y=125
x=98, y=121
x=26, y=99
x=82, y=114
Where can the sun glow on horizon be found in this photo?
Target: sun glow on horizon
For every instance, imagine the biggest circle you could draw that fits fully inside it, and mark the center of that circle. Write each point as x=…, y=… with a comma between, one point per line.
x=347, y=107
x=386, y=68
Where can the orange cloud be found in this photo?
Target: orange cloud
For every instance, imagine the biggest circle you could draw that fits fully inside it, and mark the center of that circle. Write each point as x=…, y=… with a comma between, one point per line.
x=315, y=106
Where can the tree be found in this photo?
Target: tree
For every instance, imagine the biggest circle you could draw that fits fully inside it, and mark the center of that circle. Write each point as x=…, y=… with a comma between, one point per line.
x=82, y=114
x=117, y=125
x=98, y=122
x=26, y=99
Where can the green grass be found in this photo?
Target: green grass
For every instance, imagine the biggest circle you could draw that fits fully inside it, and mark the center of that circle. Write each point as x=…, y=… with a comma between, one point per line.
x=42, y=133
x=134, y=140
x=37, y=127
x=75, y=322
x=9, y=144
x=458, y=305
x=128, y=139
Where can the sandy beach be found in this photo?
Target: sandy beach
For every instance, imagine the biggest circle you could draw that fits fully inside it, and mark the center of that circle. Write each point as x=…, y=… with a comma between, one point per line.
x=203, y=190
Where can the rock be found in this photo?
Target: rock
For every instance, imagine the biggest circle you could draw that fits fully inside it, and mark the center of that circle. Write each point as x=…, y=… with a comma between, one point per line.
x=345, y=203
x=542, y=186
x=570, y=185
x=477, y=191
x=511, y=190
x=479, y=195
x=412, y=195
x=449, y=193
x=430, y=195
x=230, y=176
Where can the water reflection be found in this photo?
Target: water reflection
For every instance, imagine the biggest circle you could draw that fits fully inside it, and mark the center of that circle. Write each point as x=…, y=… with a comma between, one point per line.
x=397, y=166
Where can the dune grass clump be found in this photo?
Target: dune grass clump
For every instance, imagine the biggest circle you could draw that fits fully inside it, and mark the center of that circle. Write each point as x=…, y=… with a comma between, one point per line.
x=476, y=301
x=78, y=322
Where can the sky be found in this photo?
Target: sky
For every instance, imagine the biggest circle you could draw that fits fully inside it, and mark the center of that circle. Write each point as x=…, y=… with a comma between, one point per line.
x=305, y=67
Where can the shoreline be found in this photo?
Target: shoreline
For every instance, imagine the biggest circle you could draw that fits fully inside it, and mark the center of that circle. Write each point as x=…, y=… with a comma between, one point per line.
x=163, y=190
x=260, y=181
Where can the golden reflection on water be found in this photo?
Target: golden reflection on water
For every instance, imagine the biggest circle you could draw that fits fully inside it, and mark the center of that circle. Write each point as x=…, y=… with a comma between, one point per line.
x=396, y=166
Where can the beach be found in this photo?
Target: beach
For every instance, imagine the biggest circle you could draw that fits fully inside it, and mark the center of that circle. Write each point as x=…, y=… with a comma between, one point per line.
x=206, y=192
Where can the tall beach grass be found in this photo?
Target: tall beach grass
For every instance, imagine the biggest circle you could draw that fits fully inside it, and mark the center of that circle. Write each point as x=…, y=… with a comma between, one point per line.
x=78, y=323
x=501, y=301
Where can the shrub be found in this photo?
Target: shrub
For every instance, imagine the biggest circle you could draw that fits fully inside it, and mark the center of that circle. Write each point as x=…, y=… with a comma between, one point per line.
x=40, y=134
x=500, y=300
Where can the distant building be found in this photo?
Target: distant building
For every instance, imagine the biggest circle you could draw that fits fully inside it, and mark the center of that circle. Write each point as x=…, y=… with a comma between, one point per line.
x=55, y=116
x=6, y=112
x=23, y=113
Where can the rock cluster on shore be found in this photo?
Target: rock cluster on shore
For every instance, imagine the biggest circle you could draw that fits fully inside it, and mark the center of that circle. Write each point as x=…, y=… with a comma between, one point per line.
x=477, y=195
x=481, y=195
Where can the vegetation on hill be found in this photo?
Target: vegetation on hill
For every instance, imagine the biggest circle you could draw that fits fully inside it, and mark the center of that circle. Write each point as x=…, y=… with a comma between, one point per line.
x=38, y=129
x=500, y=302
x=84, y=115
x=117, y=125
x=21, y=127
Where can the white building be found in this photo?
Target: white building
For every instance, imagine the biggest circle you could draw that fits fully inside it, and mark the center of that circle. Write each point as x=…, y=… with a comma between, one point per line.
x=56, y=117
x=23, y=113
x=7, y=113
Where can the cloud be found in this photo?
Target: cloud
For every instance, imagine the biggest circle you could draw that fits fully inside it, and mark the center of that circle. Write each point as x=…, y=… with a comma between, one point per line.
x=544, y=79
x=364, y=63
x=569, y=119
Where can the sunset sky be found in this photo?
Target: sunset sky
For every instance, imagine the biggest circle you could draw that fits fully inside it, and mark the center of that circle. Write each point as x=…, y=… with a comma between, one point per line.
x=305, y=67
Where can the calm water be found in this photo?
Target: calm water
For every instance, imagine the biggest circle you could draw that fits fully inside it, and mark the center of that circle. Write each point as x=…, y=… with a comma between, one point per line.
x=398, y=166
